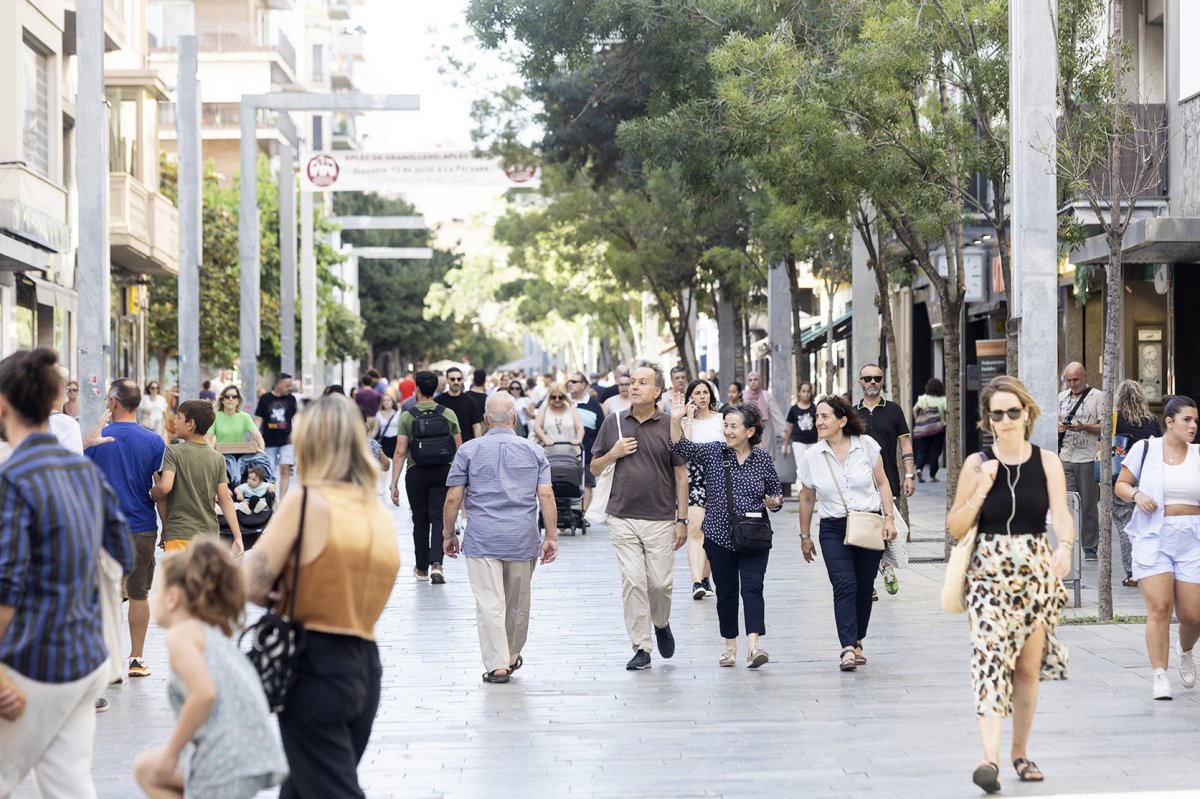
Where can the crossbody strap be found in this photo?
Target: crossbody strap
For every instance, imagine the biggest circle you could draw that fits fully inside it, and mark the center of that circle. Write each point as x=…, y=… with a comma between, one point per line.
x=836, y=484
x=295, y=557
x=728, y=469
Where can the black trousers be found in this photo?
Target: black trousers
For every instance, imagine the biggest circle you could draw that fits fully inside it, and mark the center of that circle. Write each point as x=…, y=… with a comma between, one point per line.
x=730, y=568
x=426, y=489
x=327, y=721
x=927, y=451
x=852, y=573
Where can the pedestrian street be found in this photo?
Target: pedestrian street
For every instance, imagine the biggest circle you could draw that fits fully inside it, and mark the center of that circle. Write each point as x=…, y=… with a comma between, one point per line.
x=574, y=722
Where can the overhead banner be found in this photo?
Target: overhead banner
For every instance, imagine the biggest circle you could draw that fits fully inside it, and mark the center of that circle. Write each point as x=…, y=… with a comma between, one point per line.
x=350, y=170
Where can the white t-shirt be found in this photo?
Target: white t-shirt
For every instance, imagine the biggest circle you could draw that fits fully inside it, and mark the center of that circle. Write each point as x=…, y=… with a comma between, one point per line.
x=67, y=431
x=856, y=478
x=710, y=429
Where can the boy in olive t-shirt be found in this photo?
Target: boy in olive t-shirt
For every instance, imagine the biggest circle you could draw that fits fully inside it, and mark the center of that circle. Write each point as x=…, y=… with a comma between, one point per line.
x=192, y=478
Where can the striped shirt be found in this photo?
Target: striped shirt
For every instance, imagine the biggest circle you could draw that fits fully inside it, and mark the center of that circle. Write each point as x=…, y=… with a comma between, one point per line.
x=56, y=511
x=502, y=473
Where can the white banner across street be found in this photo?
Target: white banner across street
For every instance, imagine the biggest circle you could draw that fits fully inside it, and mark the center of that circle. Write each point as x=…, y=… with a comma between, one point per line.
x=350, y=170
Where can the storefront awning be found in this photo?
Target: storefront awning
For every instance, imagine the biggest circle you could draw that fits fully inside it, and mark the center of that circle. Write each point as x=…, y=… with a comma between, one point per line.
x=814, y=338
x=18, y=256
x=1157, y=240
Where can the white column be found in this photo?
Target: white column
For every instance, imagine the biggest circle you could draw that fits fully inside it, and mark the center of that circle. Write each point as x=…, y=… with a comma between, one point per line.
x=1033, y=297
x=864, y=335
x=287, y=260
x=92, y=281
x=308, y=297
x=248, y=255
x=190, y=219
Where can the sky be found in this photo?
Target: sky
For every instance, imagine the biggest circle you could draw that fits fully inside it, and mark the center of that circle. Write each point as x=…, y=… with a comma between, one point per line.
x=403, y=50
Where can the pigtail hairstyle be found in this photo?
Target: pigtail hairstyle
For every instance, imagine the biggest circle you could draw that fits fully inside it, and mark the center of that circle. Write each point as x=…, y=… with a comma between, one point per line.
x=211, y=583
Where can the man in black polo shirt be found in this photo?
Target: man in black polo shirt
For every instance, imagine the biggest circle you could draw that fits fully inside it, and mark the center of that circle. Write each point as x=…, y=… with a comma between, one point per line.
x=886, y=424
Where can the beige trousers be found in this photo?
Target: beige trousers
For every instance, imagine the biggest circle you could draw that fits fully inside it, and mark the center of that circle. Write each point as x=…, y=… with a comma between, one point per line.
x=646, y=556
x=54, y=737
x=501, y=589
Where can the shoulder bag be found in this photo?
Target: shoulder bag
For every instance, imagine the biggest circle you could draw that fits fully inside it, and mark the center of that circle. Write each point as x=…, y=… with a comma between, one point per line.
x=597, y=512
x=954, y=586
x=1071, y=414
x=863, y=528
x=277, y=639
x=928, y=422
x=751, y=535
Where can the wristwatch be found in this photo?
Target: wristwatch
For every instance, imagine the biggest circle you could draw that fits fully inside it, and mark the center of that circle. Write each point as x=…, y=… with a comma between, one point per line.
x=681, y=521
x=909, y=476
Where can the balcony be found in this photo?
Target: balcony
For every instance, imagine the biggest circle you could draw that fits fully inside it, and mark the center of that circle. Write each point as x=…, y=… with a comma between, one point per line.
x=341, y=76
x=115, y=31
x=223, y=121
x=143, y=227
x=350, y=46
x=239, y=42
x=339, y=9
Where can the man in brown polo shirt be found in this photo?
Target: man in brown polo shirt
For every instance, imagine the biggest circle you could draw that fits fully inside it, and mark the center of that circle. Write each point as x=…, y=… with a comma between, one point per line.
x=647, y=510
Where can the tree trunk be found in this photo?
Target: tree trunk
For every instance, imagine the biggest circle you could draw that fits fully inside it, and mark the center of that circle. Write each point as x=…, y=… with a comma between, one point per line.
x=1113, y=294
x=161, y=356
x=831, y=354
x=952, y=345
x=739, y=339
x=883, y=301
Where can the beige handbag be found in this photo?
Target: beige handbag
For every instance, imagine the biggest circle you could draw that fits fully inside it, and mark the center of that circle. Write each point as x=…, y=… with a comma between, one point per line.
x=954, y=589
x=863, y=529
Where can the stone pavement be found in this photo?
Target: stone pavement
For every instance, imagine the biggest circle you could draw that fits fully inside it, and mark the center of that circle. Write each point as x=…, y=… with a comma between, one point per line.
x=574, y=723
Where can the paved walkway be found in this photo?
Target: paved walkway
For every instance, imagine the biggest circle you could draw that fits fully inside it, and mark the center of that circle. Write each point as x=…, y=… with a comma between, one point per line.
x=575, y=723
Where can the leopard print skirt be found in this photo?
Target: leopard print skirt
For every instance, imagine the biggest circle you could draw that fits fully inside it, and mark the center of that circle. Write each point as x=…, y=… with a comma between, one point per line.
x=1011, y=590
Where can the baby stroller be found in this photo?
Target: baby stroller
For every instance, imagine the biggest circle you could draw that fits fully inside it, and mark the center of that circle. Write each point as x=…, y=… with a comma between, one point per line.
x=253, y=523
x=566, y=478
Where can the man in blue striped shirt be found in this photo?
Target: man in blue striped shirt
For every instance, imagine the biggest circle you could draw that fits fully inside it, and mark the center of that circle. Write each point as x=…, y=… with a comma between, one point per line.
x=56, y=512
x=503, y=479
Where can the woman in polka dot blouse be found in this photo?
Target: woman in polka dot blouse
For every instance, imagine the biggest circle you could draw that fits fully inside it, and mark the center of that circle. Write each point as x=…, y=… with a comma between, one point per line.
x=756, y=489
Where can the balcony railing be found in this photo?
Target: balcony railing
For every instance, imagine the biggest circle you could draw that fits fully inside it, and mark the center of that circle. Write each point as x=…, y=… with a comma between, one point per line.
x=143, y=227
x=233, y=40
x=1143, y=159
x=227, y=116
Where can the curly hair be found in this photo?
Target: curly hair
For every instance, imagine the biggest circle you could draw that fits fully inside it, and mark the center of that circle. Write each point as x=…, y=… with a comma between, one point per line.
x=211, y=583
x=844, y=410
x=751, y=417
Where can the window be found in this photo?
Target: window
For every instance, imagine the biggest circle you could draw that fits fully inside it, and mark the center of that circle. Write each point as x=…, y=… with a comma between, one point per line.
x=166, y=21
x=318, y=139
x=318, y=63
x=35, y=68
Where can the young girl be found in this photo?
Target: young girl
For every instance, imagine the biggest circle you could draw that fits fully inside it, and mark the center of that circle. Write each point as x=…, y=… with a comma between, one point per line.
x=224, y=744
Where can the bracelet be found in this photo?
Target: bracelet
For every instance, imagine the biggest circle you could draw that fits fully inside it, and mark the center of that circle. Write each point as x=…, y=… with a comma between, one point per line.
x=1067, y=544
x=976, y=507
x=806, y=536
x=1135, y=493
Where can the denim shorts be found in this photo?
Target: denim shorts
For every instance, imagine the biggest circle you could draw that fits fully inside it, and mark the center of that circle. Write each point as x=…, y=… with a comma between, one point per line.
x=282, y=455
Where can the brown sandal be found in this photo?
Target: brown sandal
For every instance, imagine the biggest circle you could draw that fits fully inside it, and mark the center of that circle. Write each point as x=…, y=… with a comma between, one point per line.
x=849, y=661
x=496, y=675
x=1027, y=770
x=1129, y=582
x=987, y=777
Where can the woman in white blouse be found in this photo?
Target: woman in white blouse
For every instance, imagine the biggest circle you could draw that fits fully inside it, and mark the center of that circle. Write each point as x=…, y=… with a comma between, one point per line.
x=152, y=412
x=843, y=472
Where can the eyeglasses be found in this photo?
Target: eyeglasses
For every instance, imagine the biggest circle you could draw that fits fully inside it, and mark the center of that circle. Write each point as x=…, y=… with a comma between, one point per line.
x=623, y=385
x=1013, y=413
x=871, y=378
x=72, y=391
x=558, y=397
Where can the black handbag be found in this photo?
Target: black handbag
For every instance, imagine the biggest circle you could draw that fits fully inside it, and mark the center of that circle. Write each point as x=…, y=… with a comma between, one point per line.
x=751, y=535
x=277, y=640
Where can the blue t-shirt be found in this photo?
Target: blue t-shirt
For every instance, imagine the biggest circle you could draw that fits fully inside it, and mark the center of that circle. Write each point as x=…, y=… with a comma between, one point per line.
x=129, y=464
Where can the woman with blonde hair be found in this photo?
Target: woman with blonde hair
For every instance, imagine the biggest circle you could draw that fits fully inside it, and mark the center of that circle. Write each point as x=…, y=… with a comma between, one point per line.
x=1015, y=593
x=558, y=422
x=1132, y=419
x=348, y=563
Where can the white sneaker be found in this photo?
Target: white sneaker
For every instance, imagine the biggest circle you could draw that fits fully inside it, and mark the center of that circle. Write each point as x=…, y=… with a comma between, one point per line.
x=1187, y=667
x=1162, y=686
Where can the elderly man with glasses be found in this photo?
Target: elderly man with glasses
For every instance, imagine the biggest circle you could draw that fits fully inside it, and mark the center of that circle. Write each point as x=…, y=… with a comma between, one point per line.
x=503, y=480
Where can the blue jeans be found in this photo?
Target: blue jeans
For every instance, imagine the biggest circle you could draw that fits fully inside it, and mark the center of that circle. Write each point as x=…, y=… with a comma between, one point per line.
x=852, y=573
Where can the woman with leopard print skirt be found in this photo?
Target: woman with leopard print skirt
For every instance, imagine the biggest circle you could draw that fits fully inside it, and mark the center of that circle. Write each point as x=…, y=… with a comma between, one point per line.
x=1014, y=588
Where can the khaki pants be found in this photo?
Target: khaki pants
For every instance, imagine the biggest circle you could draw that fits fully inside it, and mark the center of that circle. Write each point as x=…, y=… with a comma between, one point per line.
x=646, y=556
x=501, y=589
x=1080, y=478
x=54, y=737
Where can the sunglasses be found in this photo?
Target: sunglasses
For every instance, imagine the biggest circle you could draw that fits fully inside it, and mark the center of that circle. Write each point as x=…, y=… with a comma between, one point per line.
x=575, y=381
x=454, y=379
x=515, y=388
x=72, y=391
x=1013, y=413
x=872, y=378
x=231, y=396
x=558, y=397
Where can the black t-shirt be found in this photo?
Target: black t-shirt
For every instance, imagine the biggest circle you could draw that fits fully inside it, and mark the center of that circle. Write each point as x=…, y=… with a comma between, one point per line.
x=607, y=393
x=886, y=424
x=466, y=408
x=480, y=400
x=1139, y=432
x=592, y=416
x=276, y=413
x=804, y=424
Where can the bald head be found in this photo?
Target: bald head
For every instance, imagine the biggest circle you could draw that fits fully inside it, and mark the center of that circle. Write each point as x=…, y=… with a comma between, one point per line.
x=1075, y=377
x=500, y=410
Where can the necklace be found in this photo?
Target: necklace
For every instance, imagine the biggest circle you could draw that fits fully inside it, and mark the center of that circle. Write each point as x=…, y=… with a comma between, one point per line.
x=1012, y=492
x=1172, y=460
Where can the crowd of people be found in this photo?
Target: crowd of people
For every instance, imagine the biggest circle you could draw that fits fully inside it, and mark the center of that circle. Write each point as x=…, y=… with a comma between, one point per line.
x=661, y=461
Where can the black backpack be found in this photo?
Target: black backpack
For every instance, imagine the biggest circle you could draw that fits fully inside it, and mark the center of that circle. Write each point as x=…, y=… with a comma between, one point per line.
x=431, y=443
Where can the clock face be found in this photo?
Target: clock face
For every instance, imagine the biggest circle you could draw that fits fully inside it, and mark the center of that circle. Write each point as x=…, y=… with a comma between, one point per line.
x=1150, y=353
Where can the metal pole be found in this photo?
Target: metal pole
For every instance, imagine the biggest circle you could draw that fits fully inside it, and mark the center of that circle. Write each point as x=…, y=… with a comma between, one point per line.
x=1033, y=297
x=864, y=331
x=190, y=219
x=308, y=297
x=779, y=315
x=92, y=281
x=248, y=257
x=287, y=260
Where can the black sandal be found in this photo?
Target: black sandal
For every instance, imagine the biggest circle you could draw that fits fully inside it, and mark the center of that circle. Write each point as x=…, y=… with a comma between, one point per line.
x=518, y=664
x=987, y=777
x=1024, y=767
x=1129, y=582
x=492, y=676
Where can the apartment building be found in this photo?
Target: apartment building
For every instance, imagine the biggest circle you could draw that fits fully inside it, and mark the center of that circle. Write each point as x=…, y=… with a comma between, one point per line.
x=38, y=207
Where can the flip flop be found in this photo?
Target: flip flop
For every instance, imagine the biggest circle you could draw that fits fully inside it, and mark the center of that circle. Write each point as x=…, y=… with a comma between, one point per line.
x=1024, y=767
x=492, y=676
x=987, y=777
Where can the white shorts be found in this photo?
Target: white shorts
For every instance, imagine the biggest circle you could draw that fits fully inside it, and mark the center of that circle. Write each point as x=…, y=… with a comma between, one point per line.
x=282, y=456
x=1175, y=549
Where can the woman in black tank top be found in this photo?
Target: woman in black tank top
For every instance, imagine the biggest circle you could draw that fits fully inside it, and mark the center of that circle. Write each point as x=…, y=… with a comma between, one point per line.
x=1014, y=592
